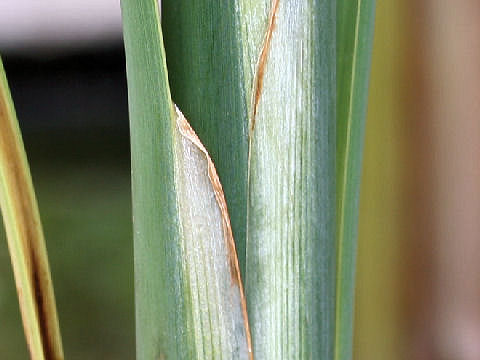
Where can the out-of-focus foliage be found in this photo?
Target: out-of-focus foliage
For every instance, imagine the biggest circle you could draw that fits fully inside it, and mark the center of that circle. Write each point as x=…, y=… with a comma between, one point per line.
x=378, y=333
x=85, y=207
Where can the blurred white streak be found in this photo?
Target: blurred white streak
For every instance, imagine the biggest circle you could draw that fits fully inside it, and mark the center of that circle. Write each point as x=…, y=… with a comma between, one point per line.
x=33, y=25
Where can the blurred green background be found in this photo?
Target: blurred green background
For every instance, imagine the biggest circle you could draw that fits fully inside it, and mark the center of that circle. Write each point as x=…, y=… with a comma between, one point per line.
x=85, y=208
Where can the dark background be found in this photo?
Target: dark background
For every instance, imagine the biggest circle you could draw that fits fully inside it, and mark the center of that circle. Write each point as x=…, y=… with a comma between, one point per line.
x=72, y=110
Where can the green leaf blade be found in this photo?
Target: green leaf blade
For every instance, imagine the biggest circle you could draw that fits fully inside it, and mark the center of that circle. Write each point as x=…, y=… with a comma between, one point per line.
x=157, y=252
x=354, y=48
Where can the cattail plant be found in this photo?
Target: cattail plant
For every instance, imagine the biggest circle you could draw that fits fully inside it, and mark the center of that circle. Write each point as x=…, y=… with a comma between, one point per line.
x=246, y=122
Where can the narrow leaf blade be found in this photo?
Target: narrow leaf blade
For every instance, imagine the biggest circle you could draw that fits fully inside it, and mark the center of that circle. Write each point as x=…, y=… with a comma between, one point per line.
x=159, y=302
x=25, y=237
x=354, y=47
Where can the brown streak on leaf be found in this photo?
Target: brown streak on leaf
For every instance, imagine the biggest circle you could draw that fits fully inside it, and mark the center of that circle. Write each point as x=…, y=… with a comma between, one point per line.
x=262, y=61
x=187, y=131
x=42, y=309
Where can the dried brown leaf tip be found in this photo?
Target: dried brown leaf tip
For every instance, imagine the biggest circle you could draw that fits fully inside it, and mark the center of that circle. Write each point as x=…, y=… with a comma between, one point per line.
x=187, y=132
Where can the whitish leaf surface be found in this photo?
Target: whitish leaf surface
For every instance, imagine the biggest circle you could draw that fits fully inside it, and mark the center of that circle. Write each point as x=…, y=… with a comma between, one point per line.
x=289, y=62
